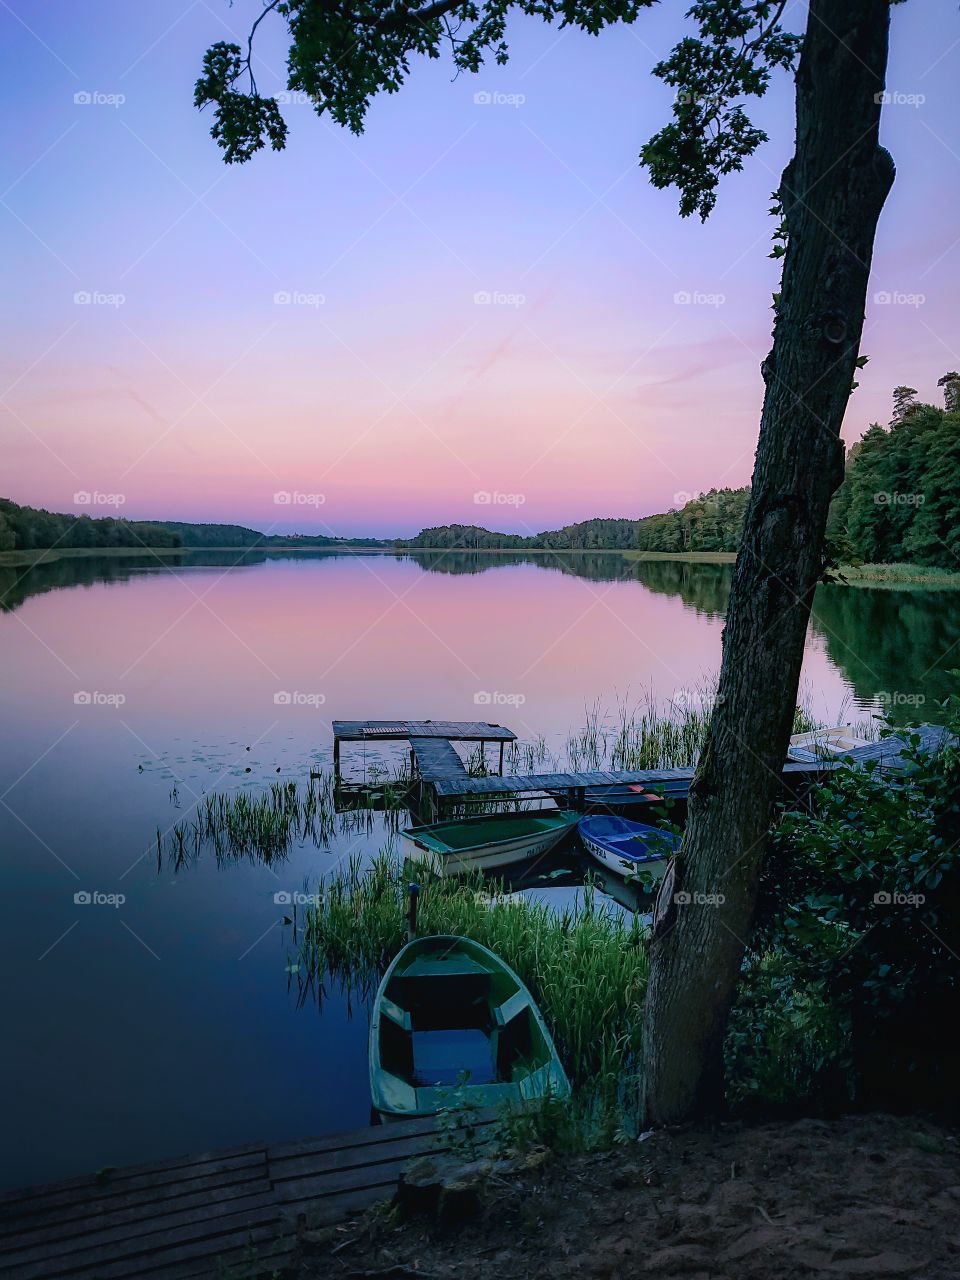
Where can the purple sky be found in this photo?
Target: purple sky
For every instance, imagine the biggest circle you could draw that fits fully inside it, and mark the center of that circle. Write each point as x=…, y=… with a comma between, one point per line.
x=383, y=397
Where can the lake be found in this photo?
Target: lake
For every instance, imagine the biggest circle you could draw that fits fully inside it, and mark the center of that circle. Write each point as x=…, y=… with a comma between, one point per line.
x=169, y=1022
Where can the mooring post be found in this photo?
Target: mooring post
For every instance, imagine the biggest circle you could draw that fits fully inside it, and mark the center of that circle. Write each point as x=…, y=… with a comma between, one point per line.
x=425, y=804
x=502, y=745
x=336, y=761
x=414, y=891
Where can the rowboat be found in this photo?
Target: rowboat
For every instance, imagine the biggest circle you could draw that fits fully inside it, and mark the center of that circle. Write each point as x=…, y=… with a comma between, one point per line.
x=488, y=841
x=825, y=744
x=627, y=847
x=453, y=1023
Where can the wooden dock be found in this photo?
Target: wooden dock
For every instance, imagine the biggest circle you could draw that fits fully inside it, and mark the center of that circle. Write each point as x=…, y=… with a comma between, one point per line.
x=438, y=733
x=442, y=782
x=185, y=1218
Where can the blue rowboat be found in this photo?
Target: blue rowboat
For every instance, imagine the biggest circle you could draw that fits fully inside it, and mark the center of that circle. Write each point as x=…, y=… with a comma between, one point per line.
x=626, y=847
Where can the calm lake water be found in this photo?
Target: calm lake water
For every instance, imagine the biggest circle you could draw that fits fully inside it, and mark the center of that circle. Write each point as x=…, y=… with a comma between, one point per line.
x=170, y=1023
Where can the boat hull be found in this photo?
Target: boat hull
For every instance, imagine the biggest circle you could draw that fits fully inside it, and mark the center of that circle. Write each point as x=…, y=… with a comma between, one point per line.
x=627, y=848
x=825, y=744
x=427, y=843
x=621, y=866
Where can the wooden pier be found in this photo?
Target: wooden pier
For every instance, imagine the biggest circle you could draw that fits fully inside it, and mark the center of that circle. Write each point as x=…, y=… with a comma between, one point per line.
x=432, y=757
x=185, y=1218
x=441, y=782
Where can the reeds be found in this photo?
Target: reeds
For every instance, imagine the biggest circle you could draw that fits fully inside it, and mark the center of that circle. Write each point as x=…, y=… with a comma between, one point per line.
x=646, y=735
x=261, y=828
x=651, y=734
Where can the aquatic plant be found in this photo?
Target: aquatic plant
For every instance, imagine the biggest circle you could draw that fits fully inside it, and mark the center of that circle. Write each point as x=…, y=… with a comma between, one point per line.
x=259, y=827
x=646, y=735
x=530, y=757
x=653, y=734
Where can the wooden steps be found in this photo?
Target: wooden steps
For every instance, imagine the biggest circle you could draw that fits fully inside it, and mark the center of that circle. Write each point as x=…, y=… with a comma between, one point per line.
x=183, y=1218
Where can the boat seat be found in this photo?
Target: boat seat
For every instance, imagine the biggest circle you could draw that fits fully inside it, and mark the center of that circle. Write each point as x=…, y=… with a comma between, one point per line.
x=443, y=999
x=393, y=1011
x=453, y=966
x=510, y=1008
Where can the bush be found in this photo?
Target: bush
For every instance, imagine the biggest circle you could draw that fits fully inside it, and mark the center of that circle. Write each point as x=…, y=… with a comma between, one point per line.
x=853, y=966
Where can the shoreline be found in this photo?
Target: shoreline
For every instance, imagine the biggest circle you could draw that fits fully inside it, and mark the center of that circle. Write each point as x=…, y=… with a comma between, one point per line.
x=47, y=555
x=690, y=557
x=880, y=575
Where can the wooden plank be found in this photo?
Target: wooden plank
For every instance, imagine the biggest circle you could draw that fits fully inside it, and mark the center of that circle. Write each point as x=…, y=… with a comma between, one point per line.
x=335, y=1162
x=372, y=1135
x=437, y=759
x=398, y=730
x=118, y=1237
x=191, y=1178
x=334, y=1208
x=204, y=1237
x=321, y=1185
x=44, y=1189
x=199, y=1256
x=75, y=1229
x=509, y=784
x=145, y=1202
x=172, y=1219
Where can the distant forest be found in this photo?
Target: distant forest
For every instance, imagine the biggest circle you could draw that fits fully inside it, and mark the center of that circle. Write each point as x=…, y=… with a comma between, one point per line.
x=236, y=535
x=899, y=502
x=34, y=529
x=711, y=522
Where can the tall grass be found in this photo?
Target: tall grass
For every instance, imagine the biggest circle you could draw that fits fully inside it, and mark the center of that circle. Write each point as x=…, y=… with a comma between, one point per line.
x=263, y=828
x=900, y=574
x=587, y=969
x=648, y=734
x=654, y=734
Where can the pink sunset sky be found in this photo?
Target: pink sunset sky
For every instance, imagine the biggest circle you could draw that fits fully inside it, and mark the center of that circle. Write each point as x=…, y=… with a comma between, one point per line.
x=381, y=392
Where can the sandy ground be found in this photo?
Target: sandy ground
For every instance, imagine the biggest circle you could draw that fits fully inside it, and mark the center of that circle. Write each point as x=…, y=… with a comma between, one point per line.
x=862, y=1196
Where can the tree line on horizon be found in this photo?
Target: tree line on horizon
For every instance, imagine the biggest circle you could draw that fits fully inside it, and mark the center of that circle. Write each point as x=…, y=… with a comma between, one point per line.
x=36, y=529
x=711, y=522
x=899, y=502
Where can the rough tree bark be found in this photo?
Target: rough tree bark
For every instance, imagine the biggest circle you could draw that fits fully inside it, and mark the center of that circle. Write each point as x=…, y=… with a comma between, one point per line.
x=832, y=193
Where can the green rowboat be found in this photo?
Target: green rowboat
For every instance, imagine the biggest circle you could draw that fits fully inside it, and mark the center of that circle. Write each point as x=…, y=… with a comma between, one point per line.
x=452, y=1021
x=488, y=841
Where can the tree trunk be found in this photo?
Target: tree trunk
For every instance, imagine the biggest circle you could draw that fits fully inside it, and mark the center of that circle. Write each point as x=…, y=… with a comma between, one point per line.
x=832, y=193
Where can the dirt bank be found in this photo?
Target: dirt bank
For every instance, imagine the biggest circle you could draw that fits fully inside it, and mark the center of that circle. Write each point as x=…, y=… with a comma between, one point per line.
x=863, y=1196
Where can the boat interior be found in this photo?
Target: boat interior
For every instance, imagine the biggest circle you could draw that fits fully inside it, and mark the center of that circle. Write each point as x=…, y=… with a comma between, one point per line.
x=448, y=1020
x=492, y=829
